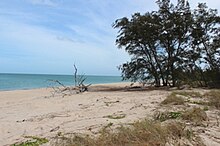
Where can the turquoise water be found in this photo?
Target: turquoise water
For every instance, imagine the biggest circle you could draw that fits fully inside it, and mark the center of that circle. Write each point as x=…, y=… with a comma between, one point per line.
x=31, y=81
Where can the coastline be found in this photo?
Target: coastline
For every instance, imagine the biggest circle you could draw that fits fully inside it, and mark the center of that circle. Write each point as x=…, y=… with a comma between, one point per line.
x=113, y=84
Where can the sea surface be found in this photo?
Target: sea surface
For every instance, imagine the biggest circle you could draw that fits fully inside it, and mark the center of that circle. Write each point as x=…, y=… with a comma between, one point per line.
x=31, y=81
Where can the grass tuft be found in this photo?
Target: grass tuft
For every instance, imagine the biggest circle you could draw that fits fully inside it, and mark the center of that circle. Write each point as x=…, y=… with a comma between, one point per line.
x=176, y=129
x=173, y=99
x=195, y=115
x=213, y=98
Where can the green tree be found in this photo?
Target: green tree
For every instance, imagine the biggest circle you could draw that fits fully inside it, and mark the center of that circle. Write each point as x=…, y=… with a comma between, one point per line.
x=169, y=44
x=206, y=41
x=141, y=42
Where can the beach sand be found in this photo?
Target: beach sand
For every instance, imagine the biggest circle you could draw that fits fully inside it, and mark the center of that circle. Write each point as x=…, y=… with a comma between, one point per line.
x=36, y=113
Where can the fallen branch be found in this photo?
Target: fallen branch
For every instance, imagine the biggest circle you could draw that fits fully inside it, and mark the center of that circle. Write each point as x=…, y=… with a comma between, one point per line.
x=60, y=89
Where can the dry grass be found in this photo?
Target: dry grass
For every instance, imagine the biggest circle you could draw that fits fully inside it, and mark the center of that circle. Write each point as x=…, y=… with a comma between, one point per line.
x=177, y=130
x=213, y=98
x=188, y=94
x=143, y=133
x=173, y=99
x=195, y=115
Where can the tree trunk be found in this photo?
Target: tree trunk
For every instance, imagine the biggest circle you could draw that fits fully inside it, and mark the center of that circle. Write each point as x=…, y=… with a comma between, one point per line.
x=157, y=82
x=173, y=76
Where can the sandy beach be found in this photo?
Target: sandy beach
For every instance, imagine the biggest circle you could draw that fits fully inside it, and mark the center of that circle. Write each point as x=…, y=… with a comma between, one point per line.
x=36, y=113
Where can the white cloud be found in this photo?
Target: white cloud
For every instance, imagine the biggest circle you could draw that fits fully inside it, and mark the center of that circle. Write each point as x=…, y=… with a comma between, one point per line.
x=76, y=31
x=43, y=48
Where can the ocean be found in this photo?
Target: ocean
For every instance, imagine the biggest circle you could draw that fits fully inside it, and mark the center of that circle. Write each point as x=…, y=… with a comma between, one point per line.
x=32, y=81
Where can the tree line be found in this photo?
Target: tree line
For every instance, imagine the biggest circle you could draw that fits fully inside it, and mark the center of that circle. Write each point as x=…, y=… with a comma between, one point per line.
x=172, y=46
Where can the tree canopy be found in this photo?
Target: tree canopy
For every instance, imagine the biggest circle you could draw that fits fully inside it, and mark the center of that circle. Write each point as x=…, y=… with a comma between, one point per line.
x=172, y=45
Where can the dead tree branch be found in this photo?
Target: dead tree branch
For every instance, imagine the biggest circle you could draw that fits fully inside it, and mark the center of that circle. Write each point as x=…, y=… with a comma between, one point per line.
x=60, y=89
x=75, y=74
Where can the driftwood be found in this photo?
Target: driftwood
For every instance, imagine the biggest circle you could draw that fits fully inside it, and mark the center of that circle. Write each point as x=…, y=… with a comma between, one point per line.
x=61, y=89
x=79, y=82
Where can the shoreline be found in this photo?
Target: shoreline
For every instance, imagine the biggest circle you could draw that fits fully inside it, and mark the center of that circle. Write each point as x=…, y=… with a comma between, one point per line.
x=96, y=84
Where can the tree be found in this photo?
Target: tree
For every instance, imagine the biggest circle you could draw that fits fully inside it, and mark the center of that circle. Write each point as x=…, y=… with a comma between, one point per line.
x=206, y=40
x=165, y=45
x=140, y=41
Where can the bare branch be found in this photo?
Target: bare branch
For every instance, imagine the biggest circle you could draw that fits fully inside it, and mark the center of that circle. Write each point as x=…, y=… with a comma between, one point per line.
x=60, y=89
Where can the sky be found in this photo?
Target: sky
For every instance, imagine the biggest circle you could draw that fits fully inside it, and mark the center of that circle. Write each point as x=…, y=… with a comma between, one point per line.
x=50, y=36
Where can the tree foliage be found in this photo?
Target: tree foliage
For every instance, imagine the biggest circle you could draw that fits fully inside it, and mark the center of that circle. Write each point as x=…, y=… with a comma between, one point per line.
x=171, y=45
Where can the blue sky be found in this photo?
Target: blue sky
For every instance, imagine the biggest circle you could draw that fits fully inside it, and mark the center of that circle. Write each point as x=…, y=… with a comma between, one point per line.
x=49, y=36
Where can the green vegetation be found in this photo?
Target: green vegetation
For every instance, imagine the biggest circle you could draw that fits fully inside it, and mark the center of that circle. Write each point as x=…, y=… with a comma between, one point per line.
x=206, y=108
x=142, y=133
x=163, y=116
x=172, y=46
x=194, y=115
x=33, y=141
x=173, y=99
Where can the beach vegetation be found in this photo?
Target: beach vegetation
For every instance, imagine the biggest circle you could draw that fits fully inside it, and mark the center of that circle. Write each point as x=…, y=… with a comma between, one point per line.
x=172, y=46
x=173, y=99
x=213, y=98
x=198, y=102
x=33, y=141
x=163, y=116
x=140, y=133
x=195, y=115
x=205, y=108
x=192, y=94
